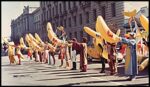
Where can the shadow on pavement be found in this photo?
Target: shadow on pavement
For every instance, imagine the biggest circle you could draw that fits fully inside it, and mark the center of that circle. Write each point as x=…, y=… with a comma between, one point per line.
x=23, y=72
x=77, y=74
x=88, y=82
x=72, y=77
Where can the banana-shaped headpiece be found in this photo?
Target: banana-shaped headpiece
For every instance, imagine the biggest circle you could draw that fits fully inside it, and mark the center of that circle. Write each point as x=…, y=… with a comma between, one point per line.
x=131, y=13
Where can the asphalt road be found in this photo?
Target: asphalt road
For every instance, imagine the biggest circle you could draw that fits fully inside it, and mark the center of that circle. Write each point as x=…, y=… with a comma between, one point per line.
x=32, y=73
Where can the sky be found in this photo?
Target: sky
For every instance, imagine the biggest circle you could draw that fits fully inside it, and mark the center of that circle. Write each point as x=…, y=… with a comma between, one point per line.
x=13, y=9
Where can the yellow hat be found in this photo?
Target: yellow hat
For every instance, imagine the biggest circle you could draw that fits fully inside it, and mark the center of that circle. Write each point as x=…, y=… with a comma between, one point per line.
x=60, y=28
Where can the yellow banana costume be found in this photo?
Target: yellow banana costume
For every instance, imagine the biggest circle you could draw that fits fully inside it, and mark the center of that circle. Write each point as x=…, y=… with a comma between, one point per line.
x=11, y=52
x=32, y=43
x=105, y=32
x=52, y=36
x=95, y=51
x=52, y=48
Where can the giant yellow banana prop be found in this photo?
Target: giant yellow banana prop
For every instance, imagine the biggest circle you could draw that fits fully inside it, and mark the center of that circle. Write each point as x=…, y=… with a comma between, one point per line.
x=51, y=35
x=33, y=39
x=52, y=48
x=105, y=32
x=145, y=23
x=22, y=44
x=130, y=14
x=96, y=52
x=39, y=39
x=144, y=64
x=33, y=44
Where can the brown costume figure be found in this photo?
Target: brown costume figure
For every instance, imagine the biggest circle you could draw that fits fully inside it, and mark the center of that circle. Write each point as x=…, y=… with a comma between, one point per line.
x=81, y=48
x=112, y=58
x=83, y=55
x=62, y=54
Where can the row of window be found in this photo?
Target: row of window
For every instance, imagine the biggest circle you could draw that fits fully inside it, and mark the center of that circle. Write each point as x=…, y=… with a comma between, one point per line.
x=54, y=10
x=46, y=15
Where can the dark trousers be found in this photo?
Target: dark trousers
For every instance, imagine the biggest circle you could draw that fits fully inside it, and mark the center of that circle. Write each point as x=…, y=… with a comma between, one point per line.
x=103, y=60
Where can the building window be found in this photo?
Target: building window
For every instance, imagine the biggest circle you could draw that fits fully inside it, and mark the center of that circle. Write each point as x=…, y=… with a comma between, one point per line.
x=74, y=4
x=69, y=6
x=94, y=14
x=79, y=2
x=87, y=17
x=47, y=15
x=65, y=25
x=56, y=9
x=61, y=23
x=70, y=35
x=103, y=11
x=64, y=4
x=53, y=12
x=75, y=34
x=113, y=9
x=60, y=8
x=80, y=19
x=81, y=34
x=69, y=22
x=75, y=22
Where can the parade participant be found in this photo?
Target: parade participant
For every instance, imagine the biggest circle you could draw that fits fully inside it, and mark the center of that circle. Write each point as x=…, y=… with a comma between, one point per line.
x=73, y=56
x=67, y=55
x=112, y=58
x=46, y=53
x=5, y=47
x=103, y=60
x=61, y=55
x=131, y=67
x=83, y=55
x=81, y=48
x=29, y=53
x=36, y=56
x=11, y=53
x=52, y=52
x=63, y=33
x=40, y=56
x=73, y=53
x=18, y=54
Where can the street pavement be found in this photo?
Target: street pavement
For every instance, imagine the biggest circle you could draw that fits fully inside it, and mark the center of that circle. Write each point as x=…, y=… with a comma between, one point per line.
x=32, y=73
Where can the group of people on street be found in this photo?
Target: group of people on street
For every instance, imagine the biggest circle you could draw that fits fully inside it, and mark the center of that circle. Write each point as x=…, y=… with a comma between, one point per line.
x=72, y=48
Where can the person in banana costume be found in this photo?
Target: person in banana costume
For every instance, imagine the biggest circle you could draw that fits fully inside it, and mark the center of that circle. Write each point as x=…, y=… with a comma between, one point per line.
x=19, y=54
x=11, y=53
x=46, y=53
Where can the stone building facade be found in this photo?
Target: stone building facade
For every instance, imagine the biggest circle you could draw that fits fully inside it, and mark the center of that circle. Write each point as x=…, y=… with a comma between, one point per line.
x=22, y=24
x=74, y=15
